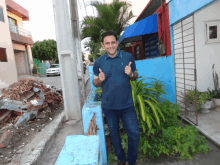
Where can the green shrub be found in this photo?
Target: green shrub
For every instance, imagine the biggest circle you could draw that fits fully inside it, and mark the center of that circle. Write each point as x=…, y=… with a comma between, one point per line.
x=90, y=58
x=35, y=69
x=168, y=137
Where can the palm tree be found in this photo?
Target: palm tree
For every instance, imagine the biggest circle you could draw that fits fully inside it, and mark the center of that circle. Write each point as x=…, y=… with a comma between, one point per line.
x=114, y=16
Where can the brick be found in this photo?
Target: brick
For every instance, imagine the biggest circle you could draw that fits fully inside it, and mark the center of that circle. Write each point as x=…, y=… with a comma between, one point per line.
x=5, y=139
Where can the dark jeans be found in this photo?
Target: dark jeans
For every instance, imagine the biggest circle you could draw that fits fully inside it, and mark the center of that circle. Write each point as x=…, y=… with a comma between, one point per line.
x=130, y=124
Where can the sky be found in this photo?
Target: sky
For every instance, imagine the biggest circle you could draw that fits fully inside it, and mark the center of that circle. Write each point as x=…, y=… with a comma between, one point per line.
x=41, y=17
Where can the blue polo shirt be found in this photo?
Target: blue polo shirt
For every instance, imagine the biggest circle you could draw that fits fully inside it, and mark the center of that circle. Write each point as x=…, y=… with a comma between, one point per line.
x=116, y=88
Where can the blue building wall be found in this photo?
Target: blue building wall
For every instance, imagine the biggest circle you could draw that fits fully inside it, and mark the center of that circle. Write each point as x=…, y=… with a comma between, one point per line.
x=180, y=9
x=161, y=68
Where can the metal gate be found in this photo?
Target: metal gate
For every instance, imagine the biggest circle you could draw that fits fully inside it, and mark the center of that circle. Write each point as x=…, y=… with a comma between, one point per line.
x=185, y=66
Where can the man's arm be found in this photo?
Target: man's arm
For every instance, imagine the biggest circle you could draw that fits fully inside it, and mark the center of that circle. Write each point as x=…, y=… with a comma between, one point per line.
x=134, y=77
x=96, y=81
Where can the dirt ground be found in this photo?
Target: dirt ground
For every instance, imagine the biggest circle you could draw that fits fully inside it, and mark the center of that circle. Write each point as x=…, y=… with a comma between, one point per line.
x=24, y=134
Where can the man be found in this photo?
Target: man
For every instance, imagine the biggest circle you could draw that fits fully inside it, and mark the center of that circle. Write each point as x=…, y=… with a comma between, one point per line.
x=113, y=71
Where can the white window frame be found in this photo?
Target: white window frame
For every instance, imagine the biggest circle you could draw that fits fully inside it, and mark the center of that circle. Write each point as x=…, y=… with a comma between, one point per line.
x=207, y=25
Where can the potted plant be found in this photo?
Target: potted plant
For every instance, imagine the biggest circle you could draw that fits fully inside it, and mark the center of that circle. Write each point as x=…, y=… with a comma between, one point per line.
x=194, y=97
x=216, y=91
x=205, y=106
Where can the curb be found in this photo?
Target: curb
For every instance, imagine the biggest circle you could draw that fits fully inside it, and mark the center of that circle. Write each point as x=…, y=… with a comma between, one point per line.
x=50, y=132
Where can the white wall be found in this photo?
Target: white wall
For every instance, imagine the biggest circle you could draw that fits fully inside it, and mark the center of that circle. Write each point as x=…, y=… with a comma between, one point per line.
x=206, y=54
x=8, y=73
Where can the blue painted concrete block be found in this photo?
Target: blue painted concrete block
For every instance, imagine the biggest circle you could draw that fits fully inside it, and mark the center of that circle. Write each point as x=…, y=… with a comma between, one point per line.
x=80, y=150
x=87, y=114
x=89, y=107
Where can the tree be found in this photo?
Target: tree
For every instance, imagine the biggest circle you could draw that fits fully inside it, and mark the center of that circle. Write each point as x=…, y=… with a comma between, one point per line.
x=45, y=50
x=112, y=16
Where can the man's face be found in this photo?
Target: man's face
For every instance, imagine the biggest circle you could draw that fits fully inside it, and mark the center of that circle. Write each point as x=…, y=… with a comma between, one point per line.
x=110, y=44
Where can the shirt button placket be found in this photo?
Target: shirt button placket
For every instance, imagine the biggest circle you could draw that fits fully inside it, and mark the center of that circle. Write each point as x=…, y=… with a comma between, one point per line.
x=113, y=67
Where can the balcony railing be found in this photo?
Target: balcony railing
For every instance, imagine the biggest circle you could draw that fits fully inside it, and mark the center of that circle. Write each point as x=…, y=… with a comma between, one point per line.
x=20, y=31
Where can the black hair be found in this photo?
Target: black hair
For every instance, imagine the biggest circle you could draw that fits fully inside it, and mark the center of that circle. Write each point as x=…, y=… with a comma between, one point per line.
x=109, y=33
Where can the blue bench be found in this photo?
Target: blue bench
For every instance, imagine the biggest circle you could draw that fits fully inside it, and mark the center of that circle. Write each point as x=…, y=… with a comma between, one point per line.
x=80, y=150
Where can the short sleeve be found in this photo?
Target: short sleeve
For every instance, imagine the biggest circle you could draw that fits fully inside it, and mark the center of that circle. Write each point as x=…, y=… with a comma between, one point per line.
x=96, y=69
x=133, y=65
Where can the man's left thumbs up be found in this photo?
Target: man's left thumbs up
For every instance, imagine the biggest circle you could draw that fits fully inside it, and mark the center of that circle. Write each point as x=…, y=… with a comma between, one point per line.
x=128, y=69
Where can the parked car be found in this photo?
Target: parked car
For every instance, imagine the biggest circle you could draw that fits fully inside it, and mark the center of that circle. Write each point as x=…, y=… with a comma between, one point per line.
x=53, y=70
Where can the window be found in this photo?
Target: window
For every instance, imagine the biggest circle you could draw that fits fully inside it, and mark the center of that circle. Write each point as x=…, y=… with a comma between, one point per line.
x=3, y=56
x=13, y=25
x=212, y=30
x=12, y=21
x=54, y=66
x=137, y=52
x=150, y=46
x=1, y=15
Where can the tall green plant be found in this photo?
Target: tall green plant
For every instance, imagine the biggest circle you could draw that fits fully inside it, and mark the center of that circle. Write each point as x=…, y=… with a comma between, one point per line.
x=113, y=16
x=146, y=104
x=95, y=47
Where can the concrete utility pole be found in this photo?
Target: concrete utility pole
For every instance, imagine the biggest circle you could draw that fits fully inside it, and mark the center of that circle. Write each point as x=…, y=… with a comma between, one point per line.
x=77, y=40
x=67, y=51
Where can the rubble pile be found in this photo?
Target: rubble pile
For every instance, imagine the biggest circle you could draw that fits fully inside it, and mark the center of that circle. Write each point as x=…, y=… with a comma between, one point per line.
x=23, y=99
x=23, y=91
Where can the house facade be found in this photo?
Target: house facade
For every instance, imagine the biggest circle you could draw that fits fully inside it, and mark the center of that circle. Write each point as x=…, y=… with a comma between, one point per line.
x=15, y=42
x=195, y=44
x=141, y=40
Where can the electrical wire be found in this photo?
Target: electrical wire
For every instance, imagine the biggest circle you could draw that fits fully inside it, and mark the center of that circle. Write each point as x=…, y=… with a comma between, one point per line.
x=93, y=9
x=80, y=8
x=85, y=7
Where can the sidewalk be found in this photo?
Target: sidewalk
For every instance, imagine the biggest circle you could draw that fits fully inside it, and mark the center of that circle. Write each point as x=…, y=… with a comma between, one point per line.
x=72, y=127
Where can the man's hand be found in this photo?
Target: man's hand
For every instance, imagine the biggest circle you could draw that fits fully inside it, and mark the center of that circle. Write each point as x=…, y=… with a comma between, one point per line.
x=128, y=69
x=101, y=75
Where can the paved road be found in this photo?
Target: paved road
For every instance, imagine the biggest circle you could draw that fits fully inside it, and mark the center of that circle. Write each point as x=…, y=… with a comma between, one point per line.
x=52, y=80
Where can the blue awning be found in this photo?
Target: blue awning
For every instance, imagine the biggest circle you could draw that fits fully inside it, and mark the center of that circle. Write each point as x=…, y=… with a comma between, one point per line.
x=140, y=28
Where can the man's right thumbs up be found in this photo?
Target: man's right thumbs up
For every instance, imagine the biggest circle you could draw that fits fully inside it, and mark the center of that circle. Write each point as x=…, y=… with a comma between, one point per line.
x=101, y=75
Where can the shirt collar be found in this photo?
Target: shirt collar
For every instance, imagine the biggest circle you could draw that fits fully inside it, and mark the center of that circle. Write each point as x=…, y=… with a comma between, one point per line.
x=119, y=55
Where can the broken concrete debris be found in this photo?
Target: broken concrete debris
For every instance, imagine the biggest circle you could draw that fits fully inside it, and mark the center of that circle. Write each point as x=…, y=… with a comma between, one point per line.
x=5, y=139
x=24, y=99
x=26, y=117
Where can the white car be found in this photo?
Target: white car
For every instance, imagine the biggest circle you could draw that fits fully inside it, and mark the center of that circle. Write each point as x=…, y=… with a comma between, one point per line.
x=54, y=69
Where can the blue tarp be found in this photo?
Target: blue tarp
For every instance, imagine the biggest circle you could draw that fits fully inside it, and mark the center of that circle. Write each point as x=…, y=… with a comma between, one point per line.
x=142, y=27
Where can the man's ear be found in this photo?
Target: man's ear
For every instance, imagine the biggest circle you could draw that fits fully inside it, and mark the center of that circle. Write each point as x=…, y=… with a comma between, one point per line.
x=117, y=42
x=102, y=45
